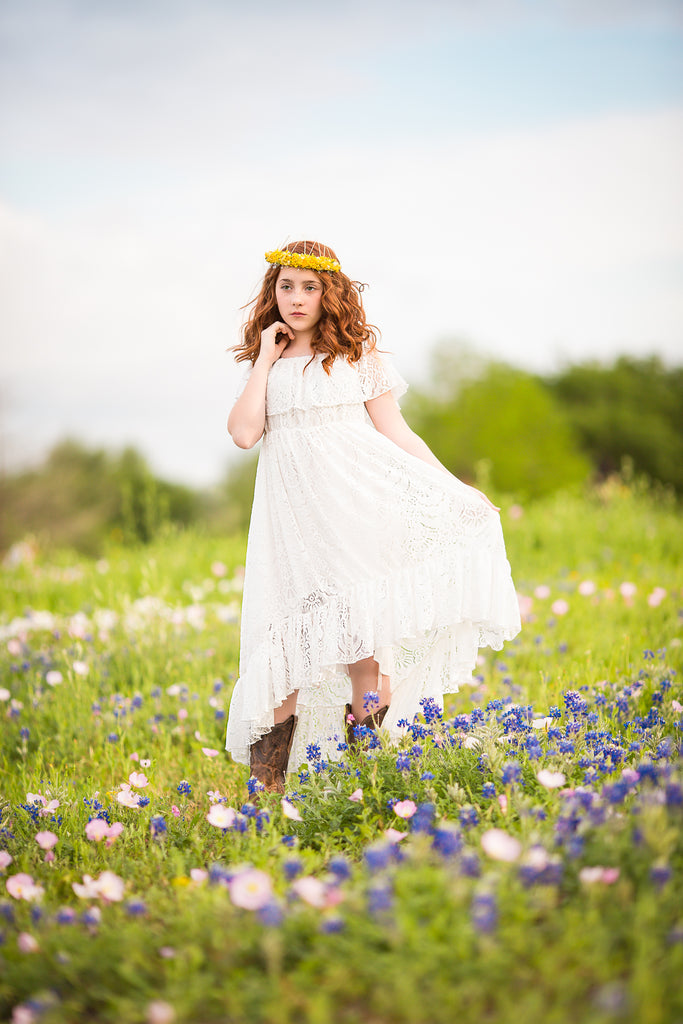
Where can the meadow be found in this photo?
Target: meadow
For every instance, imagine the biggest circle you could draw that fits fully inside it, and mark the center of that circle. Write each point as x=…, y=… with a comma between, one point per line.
x=516, y=856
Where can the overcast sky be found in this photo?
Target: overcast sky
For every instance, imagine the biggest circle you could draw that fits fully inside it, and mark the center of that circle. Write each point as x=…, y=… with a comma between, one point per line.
x=505, y=172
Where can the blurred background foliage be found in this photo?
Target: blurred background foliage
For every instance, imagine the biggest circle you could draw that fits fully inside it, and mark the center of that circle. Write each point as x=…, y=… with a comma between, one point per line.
x=513, y=433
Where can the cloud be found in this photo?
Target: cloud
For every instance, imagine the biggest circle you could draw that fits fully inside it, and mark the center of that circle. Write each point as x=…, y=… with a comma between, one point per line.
x=533, y=244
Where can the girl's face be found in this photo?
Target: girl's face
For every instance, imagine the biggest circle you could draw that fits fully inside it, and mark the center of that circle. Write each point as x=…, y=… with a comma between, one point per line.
x=299, y=296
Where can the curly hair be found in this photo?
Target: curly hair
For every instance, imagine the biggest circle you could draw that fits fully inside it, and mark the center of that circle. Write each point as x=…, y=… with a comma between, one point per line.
x=342, y=329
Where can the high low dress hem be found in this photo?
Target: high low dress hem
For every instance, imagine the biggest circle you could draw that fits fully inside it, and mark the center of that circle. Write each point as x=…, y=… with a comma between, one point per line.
x=357, y=549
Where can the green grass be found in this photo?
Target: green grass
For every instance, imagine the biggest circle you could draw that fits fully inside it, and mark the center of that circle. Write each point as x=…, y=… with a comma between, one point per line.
x=430, y=929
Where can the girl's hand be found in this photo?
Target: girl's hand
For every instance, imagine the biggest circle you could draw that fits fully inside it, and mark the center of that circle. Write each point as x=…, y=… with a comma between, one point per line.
x=273, y=346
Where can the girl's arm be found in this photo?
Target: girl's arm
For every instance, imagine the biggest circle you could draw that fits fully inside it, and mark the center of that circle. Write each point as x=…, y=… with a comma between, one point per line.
x=388, y=420
x=247, y=418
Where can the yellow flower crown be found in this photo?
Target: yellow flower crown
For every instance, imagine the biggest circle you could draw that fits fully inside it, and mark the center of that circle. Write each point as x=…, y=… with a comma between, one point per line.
x=285, y=258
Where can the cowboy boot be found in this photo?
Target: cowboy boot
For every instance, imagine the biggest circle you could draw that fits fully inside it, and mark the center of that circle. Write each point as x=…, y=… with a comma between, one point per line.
x=269, y=756
x=371, y=721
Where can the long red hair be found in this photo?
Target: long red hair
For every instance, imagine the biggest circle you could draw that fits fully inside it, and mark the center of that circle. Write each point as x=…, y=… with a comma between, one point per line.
x=342, y=329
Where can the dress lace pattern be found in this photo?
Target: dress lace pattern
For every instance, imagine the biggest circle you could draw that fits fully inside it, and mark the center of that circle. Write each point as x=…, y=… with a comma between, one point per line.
x=357, y=549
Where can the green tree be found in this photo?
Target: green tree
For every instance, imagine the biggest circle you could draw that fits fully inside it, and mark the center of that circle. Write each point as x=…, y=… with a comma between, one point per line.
x=503, y=417
x=632, y=408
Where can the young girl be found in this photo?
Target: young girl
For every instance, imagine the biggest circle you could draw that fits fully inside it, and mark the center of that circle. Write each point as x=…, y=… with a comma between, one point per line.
x=369, y=566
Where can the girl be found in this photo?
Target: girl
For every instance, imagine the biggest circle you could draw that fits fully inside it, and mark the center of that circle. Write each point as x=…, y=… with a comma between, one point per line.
x=369, y=567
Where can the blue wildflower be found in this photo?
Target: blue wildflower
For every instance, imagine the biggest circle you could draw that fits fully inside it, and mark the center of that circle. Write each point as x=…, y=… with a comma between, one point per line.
x=447, y=841
x=512, y=772
x=484, y=912
x=488, y=790
x=313, y=752
x=157, y=826
x=377, y=856
x=292, y=867
x=271, y=914
x=332, y=925
x=421, y=821
x=380, y=898
x=136, y=908
x=340, y=868
x=470, y=864
x=184, y=787
x=468, y=816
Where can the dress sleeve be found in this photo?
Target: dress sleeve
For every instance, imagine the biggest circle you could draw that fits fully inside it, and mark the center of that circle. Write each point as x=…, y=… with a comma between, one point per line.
x=243, y=381
x=377, y=375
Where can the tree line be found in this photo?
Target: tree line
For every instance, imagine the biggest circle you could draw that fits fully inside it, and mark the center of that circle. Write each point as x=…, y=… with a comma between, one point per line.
x=516, y=433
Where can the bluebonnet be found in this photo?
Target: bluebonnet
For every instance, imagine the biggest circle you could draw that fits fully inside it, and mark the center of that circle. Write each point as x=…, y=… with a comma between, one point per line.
x=157, y=825
x=271, y=914
x=136, y=908
x=313, y=752
x=340, y=868
x=575, y=703
x=143, y=801
x=184, y=787
x=380, y=898
x=262, y=819
x=488, y=790
x=446, y=841
x=468, y=816
x=660, y=874
x=254, y=786
x=673, y=794
x=431, y=710
x=377, y=856
x=469, y=864
x=421, y=821
x=292, y=867
x=512, y=772
x=65, y=915
x=331, y=925
x=427, y=776
x=403, y=762
x=484, y=912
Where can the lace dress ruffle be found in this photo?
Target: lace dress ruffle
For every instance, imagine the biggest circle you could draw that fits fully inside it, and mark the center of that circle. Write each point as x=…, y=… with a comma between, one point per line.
x=357, y=549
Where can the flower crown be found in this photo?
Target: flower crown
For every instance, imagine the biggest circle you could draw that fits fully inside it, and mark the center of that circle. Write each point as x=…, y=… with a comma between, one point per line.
x=307, y=261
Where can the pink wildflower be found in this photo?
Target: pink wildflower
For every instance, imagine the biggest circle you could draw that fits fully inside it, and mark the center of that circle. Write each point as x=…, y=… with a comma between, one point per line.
x=27, y=943
x=500, y=845
x=22, y=887
x=290, y=811
x=310, y=890
x=405, y=808
x=250, y=889
x=46, y=840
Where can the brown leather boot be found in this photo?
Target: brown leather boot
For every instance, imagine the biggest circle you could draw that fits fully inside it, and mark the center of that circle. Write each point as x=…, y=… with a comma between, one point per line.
x=268, y=757
x=371, y=721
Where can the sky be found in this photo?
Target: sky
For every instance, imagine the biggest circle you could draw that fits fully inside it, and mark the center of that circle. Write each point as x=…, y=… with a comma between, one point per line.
x=503, y=174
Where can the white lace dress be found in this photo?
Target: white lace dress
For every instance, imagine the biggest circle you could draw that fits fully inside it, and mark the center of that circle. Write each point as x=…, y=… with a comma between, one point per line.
x=357, y=549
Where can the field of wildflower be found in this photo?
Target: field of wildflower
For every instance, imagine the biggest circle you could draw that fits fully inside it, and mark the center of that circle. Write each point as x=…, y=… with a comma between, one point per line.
x=516, y=857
